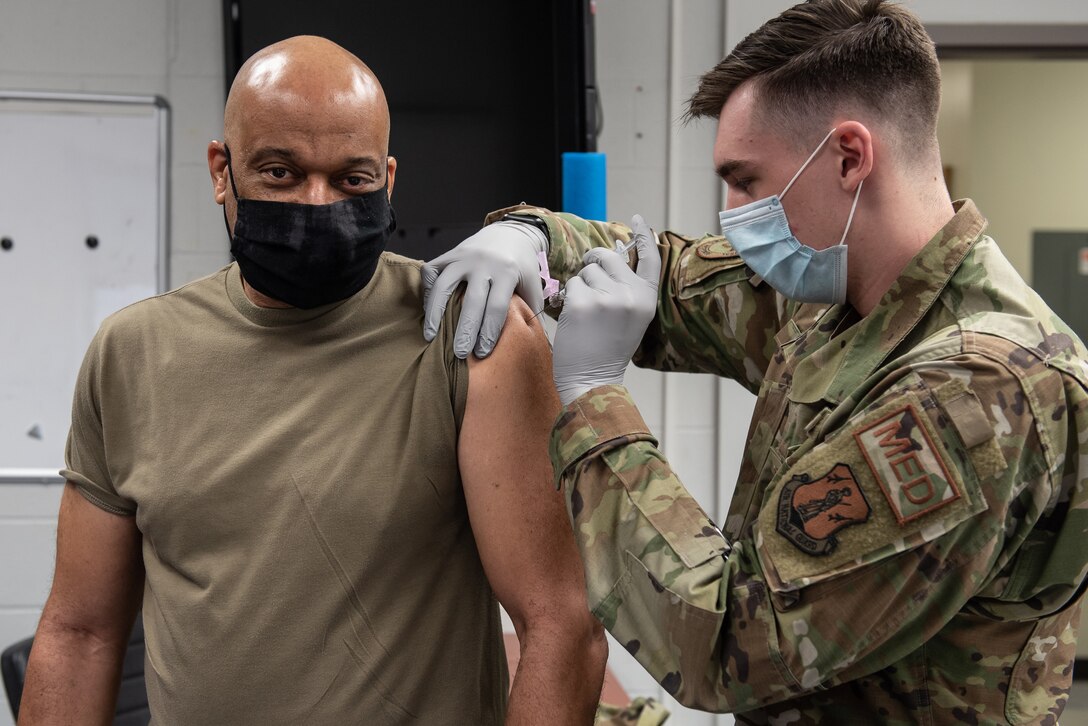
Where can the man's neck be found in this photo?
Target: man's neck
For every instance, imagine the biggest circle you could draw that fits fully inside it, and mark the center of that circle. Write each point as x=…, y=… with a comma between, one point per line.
x=260, y=299
x=904, y=223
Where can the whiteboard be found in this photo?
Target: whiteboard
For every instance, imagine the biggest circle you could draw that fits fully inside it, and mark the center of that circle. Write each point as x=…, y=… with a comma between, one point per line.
x=83, y=232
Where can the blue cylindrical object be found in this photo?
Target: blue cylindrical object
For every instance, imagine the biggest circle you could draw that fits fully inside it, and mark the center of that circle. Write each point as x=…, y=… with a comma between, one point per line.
x=585, y=190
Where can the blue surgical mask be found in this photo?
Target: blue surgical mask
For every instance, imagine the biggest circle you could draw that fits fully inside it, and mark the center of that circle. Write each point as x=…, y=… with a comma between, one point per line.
x=761, y=235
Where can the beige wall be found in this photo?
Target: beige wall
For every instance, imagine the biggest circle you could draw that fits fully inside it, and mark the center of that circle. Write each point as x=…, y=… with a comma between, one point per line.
x=1014, y=133
x=954, y=124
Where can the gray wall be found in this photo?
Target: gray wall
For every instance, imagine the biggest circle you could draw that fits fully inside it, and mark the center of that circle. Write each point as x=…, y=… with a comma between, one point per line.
x=172, y=48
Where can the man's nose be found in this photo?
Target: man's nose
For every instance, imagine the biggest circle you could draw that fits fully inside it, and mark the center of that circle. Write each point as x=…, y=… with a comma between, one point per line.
x=734, y=199
x=320, y=191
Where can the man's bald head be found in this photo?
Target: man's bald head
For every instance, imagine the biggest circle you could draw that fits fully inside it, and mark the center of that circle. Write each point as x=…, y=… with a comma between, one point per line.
x=305, y=72
x=306, y=122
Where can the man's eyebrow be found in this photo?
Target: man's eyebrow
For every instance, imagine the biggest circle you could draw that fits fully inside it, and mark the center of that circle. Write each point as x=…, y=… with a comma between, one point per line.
x=266, y=151
x=369, y=161
x=731, y=167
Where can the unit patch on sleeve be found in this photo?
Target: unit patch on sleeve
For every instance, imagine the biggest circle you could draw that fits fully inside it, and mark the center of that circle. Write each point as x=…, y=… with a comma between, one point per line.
x=901, y=456
x=883, y=483
x=811, y=511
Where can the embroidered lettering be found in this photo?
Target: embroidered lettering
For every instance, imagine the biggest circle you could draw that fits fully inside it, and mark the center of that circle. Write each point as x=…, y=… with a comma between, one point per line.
x=906, y=465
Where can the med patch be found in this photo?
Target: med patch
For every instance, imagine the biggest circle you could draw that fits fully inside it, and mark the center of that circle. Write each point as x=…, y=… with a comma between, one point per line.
x=884, y=483
x=901, y=456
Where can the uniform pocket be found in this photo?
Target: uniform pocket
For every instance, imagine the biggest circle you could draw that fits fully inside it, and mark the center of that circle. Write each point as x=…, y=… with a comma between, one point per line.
x=669, y=508
x=759, y=465
x=1043, y=673
x=710, y=265
x=670, y=637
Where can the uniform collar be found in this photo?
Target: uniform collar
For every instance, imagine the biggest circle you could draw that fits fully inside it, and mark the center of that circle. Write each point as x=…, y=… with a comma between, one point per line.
x=833, y=370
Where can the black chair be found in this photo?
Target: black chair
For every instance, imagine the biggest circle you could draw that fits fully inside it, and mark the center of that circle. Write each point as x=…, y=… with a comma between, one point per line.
x=132, y=707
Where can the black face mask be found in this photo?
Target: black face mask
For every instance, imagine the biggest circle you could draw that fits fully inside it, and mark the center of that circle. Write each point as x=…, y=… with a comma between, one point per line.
x=308, y=255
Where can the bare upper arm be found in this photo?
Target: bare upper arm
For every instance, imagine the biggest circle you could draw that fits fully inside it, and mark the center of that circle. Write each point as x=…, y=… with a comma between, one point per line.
x=519, y=519
x=98, y=580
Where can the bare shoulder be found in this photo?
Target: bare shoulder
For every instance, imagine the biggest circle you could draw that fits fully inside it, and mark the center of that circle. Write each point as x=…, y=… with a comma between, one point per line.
x=522, y=343
x=515, y=381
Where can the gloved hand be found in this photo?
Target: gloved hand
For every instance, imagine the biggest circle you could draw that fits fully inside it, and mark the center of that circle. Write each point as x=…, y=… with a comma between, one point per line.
x=495, y=261
x=605, y=314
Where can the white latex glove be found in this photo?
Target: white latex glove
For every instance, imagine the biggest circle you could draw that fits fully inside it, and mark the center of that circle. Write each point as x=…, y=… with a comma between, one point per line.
x=605, y=314
x=496, y=261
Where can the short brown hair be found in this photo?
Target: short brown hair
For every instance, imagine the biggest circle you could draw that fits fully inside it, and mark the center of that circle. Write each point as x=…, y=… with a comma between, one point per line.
x=825, y=55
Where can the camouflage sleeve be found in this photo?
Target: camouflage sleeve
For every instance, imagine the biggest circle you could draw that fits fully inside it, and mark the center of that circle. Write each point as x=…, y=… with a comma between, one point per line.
x=713, y=316
x=641, y=711
x=569, y=237
x=912, y=511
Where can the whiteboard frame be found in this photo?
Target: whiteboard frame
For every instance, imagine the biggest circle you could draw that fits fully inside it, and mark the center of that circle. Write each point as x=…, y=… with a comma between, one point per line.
x=161, y=109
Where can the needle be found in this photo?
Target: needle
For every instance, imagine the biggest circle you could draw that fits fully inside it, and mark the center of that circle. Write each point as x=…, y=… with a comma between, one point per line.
x=556, y=300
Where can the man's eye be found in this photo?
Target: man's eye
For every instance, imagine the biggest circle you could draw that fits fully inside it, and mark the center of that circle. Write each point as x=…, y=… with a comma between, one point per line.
x=743, y=184
x=354, y=181
x=278, y=172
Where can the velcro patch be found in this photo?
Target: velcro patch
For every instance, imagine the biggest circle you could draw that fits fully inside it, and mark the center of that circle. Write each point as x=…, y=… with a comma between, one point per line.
x=811, y=511
x=883, y=484
x=901, y=456
x=715, y=249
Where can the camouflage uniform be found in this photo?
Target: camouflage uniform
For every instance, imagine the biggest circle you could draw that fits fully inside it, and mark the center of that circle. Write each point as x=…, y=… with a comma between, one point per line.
x=640, y=712
x=906, y=543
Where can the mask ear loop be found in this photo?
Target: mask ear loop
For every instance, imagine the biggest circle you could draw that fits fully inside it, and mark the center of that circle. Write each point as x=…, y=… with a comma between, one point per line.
x=853, y=208
x=807, y=162
x=230, y=171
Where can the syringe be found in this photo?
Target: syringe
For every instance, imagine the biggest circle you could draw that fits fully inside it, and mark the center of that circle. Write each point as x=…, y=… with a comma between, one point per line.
x=556, y=300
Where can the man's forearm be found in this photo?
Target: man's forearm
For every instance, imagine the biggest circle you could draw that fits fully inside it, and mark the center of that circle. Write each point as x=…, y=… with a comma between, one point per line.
x=560, y=673
x=72, y=678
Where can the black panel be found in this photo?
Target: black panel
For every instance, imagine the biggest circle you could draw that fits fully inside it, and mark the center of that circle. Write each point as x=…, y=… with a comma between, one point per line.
x=484, y=96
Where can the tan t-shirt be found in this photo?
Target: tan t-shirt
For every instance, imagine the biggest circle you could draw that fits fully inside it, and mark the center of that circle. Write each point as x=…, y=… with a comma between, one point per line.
x=294, y=475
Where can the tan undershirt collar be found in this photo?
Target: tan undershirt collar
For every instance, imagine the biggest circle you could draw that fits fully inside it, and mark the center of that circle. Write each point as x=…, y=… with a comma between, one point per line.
x=272, y=317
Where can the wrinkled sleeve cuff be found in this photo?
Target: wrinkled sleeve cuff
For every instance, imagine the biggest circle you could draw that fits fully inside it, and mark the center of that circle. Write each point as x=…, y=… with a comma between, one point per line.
x=98, y=496
x=599, y=420
x=555, y=228
x=522, y=208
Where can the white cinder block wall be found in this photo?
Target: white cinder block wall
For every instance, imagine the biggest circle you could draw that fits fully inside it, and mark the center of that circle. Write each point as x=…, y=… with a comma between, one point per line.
x=650, y=55
x=171, y=48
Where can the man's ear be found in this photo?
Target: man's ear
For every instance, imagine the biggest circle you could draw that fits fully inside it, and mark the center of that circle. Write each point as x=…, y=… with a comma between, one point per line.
x=853, y=145
x=390, y=175
x=217, y=167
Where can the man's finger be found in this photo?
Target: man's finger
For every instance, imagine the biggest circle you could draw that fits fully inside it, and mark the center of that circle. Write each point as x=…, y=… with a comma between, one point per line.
x=436, y=299
x=615, y=265
x=532, y=292
x=429, y=274
x=577, y=287
x=498, y=304
x=472, y=315
x=649, y=257
x=595, y=277
x=595, y=255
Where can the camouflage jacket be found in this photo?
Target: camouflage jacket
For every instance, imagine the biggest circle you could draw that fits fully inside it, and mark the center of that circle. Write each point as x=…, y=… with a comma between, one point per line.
x=906, y=543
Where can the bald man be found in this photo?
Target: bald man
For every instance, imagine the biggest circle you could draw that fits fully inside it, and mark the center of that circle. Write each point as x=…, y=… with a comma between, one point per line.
x=316, y=509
